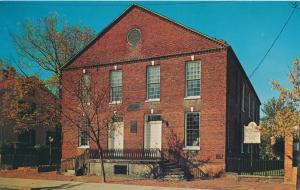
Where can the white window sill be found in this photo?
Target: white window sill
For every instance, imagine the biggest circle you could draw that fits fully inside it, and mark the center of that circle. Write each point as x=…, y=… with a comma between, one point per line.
x=115, y=102
x=191, y=148
x=192, y=97
x=86, y=146
x=153, y=100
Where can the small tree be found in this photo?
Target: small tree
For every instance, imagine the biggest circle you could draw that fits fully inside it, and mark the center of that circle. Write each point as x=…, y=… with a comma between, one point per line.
x=49, y=43
x=90, y=113
x=270, y=146
x=286, y=119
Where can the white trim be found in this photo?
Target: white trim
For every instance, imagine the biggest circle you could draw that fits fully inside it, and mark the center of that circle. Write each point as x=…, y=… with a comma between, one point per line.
x=200, y=76
x=192, y=97
x=191, y=148
x=115, y=102
x=84, y=146
x=153, y=100
x=185, y=133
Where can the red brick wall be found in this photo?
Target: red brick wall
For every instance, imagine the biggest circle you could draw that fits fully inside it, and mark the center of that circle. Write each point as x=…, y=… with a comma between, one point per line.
x=159, y=37
x=172, y=106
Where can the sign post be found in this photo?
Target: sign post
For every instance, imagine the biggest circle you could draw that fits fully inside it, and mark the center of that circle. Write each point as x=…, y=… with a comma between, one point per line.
x=252, y=136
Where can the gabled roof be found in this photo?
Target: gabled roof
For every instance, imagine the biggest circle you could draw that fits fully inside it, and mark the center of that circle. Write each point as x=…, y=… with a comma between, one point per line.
x=218, y=42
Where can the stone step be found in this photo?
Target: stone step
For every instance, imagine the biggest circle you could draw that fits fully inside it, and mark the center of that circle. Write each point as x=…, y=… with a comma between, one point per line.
x=169, y=163
x=173, y=177
x=174, y=173
x=170, y=166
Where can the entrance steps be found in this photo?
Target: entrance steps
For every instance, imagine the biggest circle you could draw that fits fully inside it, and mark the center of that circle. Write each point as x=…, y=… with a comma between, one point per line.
x=172, y=172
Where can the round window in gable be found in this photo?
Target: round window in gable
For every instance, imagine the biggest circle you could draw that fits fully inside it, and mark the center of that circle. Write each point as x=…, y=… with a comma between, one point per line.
x=134, y=36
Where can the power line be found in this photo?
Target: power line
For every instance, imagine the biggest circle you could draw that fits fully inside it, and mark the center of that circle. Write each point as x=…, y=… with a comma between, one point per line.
x=119, y=4
x=275, y=40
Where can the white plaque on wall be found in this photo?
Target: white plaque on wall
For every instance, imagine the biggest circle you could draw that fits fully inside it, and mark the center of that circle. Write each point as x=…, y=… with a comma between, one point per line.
x=252, y=133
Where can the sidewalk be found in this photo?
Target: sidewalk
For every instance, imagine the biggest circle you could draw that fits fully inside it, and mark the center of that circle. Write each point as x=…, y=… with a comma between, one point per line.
x=35, y=184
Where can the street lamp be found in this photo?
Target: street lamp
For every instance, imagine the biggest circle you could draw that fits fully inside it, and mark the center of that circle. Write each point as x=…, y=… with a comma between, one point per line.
x=50, y=139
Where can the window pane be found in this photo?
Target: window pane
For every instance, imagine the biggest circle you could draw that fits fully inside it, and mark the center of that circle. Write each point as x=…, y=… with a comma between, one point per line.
x=193, y=79
x=116, y=93
x=193, y=70
x=153, y=82
x=84, y=138
x=193, y=88
x=116, y=85
x=192, y=129
x=153, y=91
x=116, y=78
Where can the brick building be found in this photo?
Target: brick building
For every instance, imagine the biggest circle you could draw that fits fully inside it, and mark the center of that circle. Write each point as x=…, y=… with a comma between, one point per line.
x=171, y=81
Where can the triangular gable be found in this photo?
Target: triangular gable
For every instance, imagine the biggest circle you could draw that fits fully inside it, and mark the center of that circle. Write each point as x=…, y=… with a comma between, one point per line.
x=160, y=36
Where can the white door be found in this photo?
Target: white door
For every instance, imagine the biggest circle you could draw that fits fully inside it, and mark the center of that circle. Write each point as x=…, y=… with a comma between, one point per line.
x=116, y=136
x=152, y=134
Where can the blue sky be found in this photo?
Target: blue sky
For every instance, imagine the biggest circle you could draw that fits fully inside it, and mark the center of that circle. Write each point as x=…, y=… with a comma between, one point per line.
x=249, y=27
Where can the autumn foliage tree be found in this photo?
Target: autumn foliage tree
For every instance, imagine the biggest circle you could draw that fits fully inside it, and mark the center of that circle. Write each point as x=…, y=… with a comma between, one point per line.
x=288, y=117
x=270, y=148
x=287, y=120
x=27, y=103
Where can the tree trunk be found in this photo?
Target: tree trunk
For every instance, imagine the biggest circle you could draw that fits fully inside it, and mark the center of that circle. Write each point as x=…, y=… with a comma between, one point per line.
x=298, y=167
x=100, y=154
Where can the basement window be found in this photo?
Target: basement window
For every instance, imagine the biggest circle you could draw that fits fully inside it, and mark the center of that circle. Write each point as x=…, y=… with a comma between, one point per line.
x=120, y=169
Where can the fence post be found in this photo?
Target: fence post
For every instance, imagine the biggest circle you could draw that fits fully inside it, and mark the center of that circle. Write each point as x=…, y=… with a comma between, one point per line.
x=239, y=166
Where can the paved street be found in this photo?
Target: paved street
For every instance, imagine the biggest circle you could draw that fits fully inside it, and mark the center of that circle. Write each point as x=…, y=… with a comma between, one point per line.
x=34, y=184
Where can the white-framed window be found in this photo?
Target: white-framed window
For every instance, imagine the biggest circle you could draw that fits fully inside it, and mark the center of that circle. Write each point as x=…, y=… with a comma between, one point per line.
x=153, y=82
x=243, y=97
x=116, y=86
x=83, y=138
x=192, y=130
x=85, y=88
x=193, y=78
x=249, y=106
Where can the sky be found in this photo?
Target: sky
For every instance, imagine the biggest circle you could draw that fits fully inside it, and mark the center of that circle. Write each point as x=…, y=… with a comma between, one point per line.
x=249, y=27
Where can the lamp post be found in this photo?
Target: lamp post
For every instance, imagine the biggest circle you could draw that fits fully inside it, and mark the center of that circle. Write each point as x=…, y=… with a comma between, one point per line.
x=50, y=149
